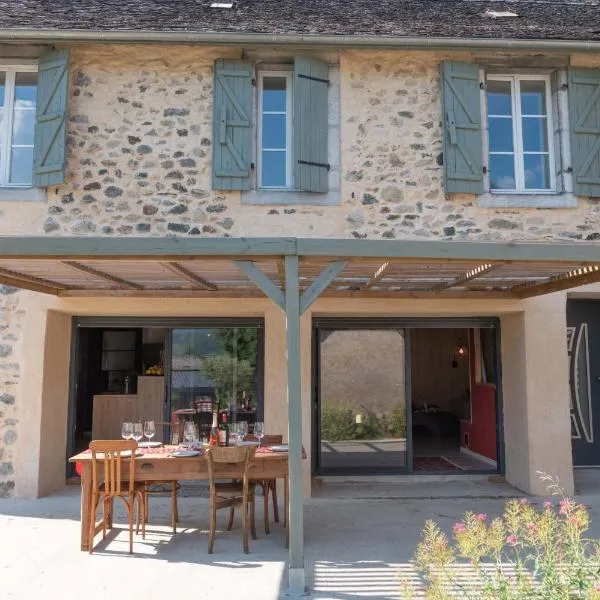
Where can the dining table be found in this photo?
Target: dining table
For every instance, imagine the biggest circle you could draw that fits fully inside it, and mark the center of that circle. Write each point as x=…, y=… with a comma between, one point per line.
x=160, y=464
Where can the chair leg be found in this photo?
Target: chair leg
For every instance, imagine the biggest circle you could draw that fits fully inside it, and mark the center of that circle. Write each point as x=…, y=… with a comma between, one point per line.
x=105, y=510
x=174, y=507
x=109, y=522
x=146, y=507
x=273, y=486
x=213, y=526
x=129, y=505
x=230, y=520
x=253, y=516
x=94, y=507
x=138, y=514
x=245, y=507
x=265, y=487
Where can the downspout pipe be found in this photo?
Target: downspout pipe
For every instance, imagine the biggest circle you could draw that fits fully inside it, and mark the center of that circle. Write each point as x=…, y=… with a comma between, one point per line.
x=262, y=39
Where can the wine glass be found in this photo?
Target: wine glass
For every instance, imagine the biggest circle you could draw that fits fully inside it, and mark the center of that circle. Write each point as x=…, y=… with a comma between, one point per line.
x=234, y=433
x=127, y=431
x=189, y=432
x=259, y=431
x=138, y=432
x=242, y=429
x=149, y=430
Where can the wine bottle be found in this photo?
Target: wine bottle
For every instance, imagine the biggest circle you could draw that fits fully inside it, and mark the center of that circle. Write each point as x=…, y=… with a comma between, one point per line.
x=224, y=431
x=213, y=440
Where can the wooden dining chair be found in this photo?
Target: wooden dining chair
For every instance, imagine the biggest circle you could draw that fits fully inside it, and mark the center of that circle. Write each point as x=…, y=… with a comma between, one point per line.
x=108, y=483
x=223, y=462
x=269, y=486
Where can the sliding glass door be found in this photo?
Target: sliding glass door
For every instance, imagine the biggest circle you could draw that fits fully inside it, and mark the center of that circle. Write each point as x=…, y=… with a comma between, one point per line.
x=361, y=409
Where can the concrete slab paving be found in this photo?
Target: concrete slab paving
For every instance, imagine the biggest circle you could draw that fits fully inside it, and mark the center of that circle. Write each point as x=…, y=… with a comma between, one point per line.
x=359, y=537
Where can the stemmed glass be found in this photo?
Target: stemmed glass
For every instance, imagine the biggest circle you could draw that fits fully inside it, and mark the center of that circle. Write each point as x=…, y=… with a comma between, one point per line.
x=242, y=429
x=127, y=431
x=138, y=432
x=149, y=430
x=234, y=433
x=259, y=431
x=189, y=432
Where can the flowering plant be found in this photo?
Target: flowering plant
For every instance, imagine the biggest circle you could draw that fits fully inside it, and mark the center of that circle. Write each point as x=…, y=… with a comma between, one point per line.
x=527, y=553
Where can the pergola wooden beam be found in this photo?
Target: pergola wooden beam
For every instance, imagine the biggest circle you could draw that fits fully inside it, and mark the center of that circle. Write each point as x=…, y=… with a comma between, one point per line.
x=122, y=283
x=321, y=283
x=582, y=276
x=180, y=270
x=262, y=282
x=468, y=276
x=35, y=284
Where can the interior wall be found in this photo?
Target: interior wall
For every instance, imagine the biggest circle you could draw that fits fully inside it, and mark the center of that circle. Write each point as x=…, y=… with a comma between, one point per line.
x=434, y=380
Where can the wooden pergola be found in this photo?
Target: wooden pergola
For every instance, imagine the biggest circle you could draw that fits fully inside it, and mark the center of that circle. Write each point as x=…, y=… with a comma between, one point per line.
x=293, y=273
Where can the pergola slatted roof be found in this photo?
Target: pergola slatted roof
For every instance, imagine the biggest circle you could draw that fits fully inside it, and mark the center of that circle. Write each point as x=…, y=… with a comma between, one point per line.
x=211, y=267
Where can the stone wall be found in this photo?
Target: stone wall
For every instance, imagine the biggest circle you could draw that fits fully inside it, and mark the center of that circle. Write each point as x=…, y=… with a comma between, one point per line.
x=140, y=144
x=10, y=324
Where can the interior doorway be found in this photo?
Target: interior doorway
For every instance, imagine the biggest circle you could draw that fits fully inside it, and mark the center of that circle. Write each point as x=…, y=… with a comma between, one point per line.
x=406, y=395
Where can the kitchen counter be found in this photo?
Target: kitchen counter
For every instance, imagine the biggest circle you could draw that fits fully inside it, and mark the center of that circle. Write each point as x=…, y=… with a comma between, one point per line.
x=111, y=410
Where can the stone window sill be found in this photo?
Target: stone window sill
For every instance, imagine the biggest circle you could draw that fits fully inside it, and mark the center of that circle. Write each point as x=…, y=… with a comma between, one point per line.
x=17, y=194
x=283, y=197
x=527, y=201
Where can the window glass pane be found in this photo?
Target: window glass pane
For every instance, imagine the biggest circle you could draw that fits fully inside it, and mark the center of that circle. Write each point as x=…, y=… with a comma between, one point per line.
x=23, y=127
x=274, y=169
x=274, y=93
x=535, y=134
x=533, y=97
x=273, y=131
x=502, y=172
x=501, y=134
x=25, y=90
x=21, y=165
x=498, y=97
x=2, y=86
x=537, y=172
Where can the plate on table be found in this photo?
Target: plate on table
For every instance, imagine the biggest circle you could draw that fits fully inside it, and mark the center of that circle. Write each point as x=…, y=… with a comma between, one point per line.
x=149, y=444
x=186, y=453
x=247, y=443
x=279, y=448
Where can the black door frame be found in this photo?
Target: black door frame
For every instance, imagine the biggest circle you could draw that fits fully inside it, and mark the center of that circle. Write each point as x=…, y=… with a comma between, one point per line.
x=406, y=324
x=166, y=322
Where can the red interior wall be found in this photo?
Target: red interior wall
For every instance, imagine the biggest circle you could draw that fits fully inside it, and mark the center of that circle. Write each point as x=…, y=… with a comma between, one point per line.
x=482, y=428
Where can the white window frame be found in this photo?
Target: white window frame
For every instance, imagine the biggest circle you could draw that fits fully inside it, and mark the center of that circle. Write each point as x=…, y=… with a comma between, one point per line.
x=519, y=153
x=6, y=127
x=288, y=76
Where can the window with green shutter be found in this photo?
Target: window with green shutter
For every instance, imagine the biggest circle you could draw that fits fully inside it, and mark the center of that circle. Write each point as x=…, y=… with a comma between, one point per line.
x=291, y=146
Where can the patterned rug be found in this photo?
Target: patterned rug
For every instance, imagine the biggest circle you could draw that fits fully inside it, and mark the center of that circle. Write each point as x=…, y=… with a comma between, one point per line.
x=434, y=463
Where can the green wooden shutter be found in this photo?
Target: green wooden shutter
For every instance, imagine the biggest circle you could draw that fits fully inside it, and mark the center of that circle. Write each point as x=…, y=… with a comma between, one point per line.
x=51, y=117
x=462, y=127
x=232, y=121
x=311, y=81
x=584, y=121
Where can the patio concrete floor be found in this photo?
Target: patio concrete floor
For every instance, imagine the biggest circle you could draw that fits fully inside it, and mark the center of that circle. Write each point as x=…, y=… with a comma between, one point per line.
x=359, y=536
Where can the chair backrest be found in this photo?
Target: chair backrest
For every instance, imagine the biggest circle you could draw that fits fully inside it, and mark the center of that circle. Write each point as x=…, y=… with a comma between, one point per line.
x=239, y=457
x=112, y=451
x=267, y=440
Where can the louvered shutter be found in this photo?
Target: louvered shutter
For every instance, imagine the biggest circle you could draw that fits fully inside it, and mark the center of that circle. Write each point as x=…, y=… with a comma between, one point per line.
x=232, y=121
x=51, y=117
x=584, y=120
x=311, y=168
x=462, y=127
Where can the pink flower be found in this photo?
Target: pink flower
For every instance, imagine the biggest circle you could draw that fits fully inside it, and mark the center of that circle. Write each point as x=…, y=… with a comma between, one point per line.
x=574, y=521
x=597, y=587
x=481, y=517
x=459, y=528
x=547, y=504
x=511, y=539
x=565, y=506
x=531, y=527
x=524, y=501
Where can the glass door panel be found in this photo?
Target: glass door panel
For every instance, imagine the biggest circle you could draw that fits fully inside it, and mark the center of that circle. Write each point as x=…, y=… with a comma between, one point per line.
x=214, y=369
x=362, y=401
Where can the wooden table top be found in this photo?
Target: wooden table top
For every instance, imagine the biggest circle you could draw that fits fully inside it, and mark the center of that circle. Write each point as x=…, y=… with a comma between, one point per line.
x=165, y=453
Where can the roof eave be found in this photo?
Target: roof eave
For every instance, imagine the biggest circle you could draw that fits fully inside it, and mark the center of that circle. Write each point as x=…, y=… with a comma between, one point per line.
x=245, y=39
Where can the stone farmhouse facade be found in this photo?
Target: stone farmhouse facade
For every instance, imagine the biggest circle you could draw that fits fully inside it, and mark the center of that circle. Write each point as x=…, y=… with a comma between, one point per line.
x=405, y=147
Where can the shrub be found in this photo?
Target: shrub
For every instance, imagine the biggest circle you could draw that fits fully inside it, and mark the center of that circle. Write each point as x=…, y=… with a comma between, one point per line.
x=527, y=553
x=337, y=423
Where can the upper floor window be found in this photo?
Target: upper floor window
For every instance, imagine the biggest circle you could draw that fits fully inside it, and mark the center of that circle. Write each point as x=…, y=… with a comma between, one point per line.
x=18, y=94
x=519, y=114
x=274, y=130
